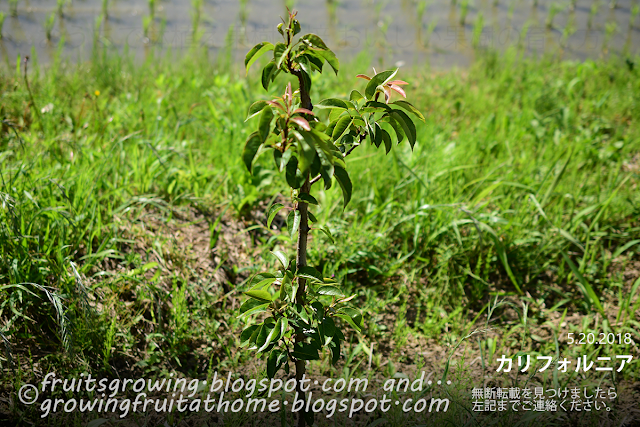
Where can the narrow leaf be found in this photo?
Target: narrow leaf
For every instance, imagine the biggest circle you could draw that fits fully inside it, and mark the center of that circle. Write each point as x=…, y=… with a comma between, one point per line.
x=271, y=214
x=281, y=257
x=310, y=273
x=268, y=74
x=345, y=183
x=315, y=41
x=584, y=286
x=308, y=198
x=408, y=127
x=293, y=222
x=255, y=109
x=264, y=126
x=251, y=147
x=410, y=108
x=332, y=103
x=306, y=152
x=259, y=294
x=304, y=351
x=327, y=232
x=254, y=310
x=255, y=52
x=331, y=59
x=330, y=290
x=341, y=127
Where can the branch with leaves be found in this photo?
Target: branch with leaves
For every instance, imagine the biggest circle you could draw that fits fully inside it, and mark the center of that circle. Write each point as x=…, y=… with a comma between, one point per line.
x=306, y=310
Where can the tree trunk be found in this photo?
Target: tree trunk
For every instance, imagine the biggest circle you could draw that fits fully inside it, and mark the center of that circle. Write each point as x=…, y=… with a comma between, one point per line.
x=301, y=258
x=301, y=261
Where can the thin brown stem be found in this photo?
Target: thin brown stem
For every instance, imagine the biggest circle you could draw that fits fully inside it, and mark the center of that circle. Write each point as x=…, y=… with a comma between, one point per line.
x=301, y=253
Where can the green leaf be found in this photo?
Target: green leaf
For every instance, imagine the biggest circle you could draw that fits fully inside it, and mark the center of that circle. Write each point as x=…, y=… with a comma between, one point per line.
x=255, y=53
x=349, y=320
x=329, y=327
x=259, y=294
x=308, y=198
x=315, y=41
x=355, y=315
x=355, y=96
x=295, y=179
x=306, y=152
x=323, y=148
x=304, y=351
x=276, y=358
x=251, y=147
x=318, y=307
x=331, y=59
x=378, y=80
x=310, y=273
x=263, y=283
x=262, y=335
x=264, y=127
x=245, y=336
x=397, y=127
x=274, y=335
x=284, y=324
x=268, y=74
x=410, y=108
x=306, y=80
x=271, y=363
x=335, y=351
x=250, y=304
x=254, y=310
x=375, y=106
x=341, y=127
x=327, y=232
x=387, y=140
x=312, y=217
x=345, y=183
x=299, y=309
x=315, y=58
x=280, y=59
x=332, y=103
x=293, y=222
x=584, y=286
x=305, y=65
x=260, y=277
x=281, y=257
x=273, y=211
x=279, y=49
x=286, y=290
x=408, y=127
x=255, y=109
x=330, y=290
x=281, y=160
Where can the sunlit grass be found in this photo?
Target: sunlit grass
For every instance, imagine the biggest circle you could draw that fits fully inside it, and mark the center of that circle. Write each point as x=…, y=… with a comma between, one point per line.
x=520, y=162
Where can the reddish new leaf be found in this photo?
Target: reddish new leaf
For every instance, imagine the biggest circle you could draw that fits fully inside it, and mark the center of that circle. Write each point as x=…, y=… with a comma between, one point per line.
x=301, y=122
x=304, y=111
x=399, y=90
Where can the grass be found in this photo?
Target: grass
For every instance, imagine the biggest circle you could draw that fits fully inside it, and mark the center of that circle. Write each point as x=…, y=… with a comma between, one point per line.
x=513, y=222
